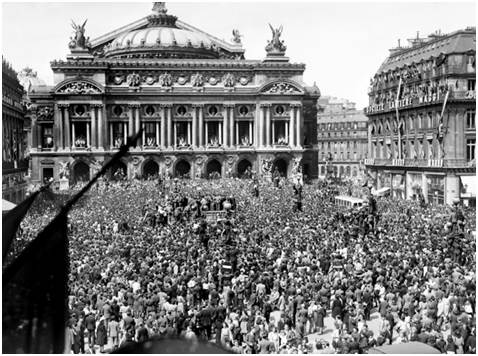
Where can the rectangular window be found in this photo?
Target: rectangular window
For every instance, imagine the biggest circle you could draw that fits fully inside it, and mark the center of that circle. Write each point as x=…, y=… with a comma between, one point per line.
x=149, y=134
x=429, y=120
x=47, y=174
x=118, y=134
x=471, y=84
x=470, y=149
x=47, y=136
x=470, y=119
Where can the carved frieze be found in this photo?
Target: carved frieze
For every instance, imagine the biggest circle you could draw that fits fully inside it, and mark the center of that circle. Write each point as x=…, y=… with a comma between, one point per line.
x=197, y=80
x=229, y=80
x=79, y=87
x=282, y=88
x=44, y=113
x=168, y=79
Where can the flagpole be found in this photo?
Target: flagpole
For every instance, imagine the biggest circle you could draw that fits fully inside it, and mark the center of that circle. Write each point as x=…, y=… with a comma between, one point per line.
x=122, y=151
x=398, y=119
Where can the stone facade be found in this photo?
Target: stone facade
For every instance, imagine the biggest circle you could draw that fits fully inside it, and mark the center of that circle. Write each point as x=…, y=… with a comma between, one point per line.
x=423, y=139
x=14, y=162
x=342, y=139
x=203, y=108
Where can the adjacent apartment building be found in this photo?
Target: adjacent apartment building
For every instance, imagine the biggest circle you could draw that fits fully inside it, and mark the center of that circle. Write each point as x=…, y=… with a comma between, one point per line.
x=14, y=162
x=422, y=119
x=341, y=137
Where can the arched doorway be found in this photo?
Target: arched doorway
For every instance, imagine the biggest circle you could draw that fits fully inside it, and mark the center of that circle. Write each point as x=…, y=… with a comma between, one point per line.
x=213, y=169
x=341, y=171
x=281, y=165
x=244, y=168
x=81, y=172
x=118, y=171
x=150, y=169
x=182, y=169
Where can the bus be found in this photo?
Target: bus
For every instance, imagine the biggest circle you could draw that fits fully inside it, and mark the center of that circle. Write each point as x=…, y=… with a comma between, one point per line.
x=348, y=202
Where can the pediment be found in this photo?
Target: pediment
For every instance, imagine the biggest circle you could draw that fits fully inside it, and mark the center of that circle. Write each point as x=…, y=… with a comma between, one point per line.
x=282, y=87
x=79, y=86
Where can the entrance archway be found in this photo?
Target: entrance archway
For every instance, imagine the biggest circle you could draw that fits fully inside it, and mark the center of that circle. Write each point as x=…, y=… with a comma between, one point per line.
x=281, y=165
x=150, y=169
x=213, y=169
x=242, y=167
x=119, y=171
x=182, y=169
x=81, y=172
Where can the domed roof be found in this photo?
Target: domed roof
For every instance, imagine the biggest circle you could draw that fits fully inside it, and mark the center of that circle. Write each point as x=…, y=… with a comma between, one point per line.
x=162, y=38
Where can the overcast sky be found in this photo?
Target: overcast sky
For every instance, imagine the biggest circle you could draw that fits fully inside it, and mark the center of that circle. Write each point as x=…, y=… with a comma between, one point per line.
x=342, y=44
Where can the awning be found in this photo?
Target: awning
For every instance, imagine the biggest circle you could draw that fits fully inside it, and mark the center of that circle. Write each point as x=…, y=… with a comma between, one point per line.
x=468, y=186
x=7, y=205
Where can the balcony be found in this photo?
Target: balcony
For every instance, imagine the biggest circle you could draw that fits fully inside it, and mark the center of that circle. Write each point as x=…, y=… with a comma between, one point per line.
x=420, y=101
x=423, y=163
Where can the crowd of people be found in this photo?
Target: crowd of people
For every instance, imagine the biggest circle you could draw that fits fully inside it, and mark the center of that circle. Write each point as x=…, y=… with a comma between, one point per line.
x=268, y=278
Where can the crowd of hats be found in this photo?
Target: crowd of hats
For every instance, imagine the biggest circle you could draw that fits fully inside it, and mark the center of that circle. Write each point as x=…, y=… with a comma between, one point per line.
x=286, y=272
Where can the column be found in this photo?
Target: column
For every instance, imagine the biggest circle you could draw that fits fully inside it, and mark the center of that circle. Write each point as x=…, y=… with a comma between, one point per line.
x=268, y=125
x=251, y=139
x=58, y=129
x=143, y=136
x=201, y=126
x=163, y=127
x=157, y=134
x=256, y=125
x=273, y=132
x=73, y=134
x=189, y=132
x=261, y=127
x=287, y=131
x=137, y=125
x=169, y=127
x=220, y=134
x=207, y=127
x=67, y=126
x=88, y=141
x=224, y=126
x=291, y=126
x=175, y=134
x=237, y=133
x=232, y=127
x=298, y=120
x=100, y=143
x=125, y=135
x=195, y=126
x=130, y=119
x=94, y=133
x=104, y=127
x=111, y=136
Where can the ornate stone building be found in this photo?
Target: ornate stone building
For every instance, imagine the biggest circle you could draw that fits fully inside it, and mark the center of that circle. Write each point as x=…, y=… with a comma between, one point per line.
x=14, y=162
x=203, y=108
x=342, y=138
x=421, y=125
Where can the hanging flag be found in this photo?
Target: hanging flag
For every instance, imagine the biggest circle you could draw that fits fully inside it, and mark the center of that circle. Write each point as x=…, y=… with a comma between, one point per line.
x=35, y=293
x=440, y=131
x=11, y=221
x=35, y=289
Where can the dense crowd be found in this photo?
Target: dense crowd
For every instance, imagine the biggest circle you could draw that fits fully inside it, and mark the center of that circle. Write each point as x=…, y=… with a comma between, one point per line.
x=266, y=278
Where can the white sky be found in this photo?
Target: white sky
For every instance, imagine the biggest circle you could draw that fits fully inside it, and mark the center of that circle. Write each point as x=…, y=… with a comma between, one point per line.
x=342, y=44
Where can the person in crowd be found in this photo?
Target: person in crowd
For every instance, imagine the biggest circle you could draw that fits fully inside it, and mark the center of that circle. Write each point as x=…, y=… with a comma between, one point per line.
x=270, y=278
